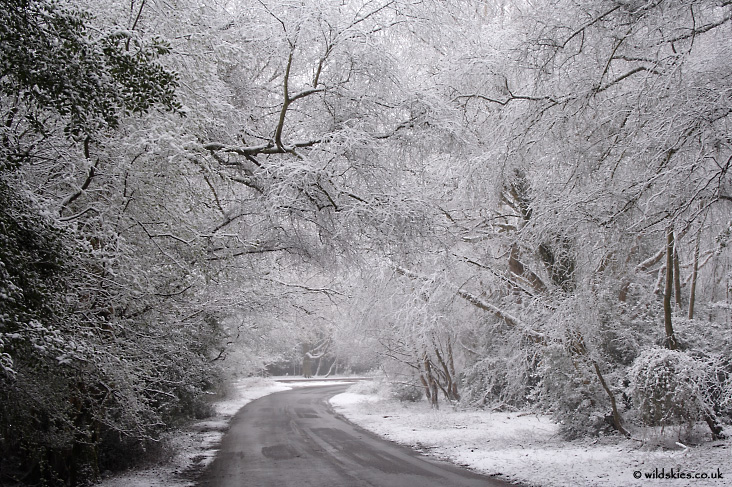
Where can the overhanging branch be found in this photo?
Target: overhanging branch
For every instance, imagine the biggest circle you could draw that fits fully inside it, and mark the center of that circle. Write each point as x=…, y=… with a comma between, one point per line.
x=481, y=304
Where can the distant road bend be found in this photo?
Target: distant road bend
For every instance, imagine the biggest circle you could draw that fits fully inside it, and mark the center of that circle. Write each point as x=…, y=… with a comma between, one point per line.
x=293, y=438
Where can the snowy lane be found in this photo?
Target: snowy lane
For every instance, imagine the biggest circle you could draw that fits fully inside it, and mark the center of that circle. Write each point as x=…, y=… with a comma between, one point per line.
x=293, y=438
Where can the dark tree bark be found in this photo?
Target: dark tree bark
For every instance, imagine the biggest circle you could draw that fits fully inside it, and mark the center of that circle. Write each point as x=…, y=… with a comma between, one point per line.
x=431, y=382
x=517, y=268
x=333, y=368
x=426, y=386
x=617, y=418
x=694, y=274
x=677, y=278
x=448, y=386
x=668, y=324
x=716, y=428
x=307, y=362
x=451, y=365
x=317, y=369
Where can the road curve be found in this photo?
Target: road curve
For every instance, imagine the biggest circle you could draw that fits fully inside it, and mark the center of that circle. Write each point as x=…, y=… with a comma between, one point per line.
x=294, y=438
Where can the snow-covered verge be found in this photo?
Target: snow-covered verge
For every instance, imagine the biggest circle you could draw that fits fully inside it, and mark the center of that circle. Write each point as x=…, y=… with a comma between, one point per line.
x=527, y=449
x=195, y=446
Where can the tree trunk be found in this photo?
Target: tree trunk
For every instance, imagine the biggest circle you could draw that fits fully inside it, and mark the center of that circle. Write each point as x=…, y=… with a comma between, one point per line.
x=333, y=368
x=617, y=418
x=516, y=267
x=694, y=273
x=431, y=382
x=450, y=387
x=435, y=404
x=427, y=392
x=320, y=363
x=307, y=363
x=677, y=277
x=668, y=324
x=422, y=377
x=578, y=348
x=451, y=364
x=716, y=428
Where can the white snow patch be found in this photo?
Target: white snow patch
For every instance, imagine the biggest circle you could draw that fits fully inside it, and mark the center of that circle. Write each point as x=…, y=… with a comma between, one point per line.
x=351, y=398
x=526, y=448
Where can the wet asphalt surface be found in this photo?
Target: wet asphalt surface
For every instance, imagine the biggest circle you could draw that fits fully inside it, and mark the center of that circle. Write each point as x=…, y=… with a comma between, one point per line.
x=294, y=438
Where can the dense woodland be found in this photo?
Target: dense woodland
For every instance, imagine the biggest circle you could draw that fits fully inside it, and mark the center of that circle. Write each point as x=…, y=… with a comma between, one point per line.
x=503, y=204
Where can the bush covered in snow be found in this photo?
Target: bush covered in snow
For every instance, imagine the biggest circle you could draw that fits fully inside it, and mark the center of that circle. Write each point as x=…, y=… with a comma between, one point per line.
x=572, y=392
x=504, y=380
x=667, y=387
x=94, y=365
x=407, y=391
x=374, y=386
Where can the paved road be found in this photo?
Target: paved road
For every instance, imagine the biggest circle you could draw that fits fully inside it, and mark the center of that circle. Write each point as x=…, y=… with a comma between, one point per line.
x=293, y=438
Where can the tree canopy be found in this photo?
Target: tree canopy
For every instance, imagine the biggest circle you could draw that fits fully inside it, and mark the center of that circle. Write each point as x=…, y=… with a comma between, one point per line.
x=502, y=204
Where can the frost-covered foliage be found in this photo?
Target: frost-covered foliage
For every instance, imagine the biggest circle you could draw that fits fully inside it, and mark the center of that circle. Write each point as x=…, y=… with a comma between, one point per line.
x=670, y=387
x=505, y=379
x=571, y=391
x=92, y=367
x=407, y=391
x=52, y=61
x=509, y=199
x=82, y=387
x=32, y=254
x=559, y=222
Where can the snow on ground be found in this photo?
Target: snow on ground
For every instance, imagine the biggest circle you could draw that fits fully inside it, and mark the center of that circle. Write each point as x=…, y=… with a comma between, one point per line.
x=527, y=449
x=195, y=446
